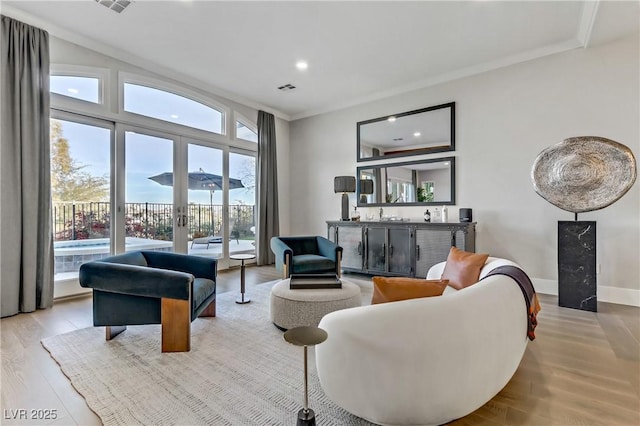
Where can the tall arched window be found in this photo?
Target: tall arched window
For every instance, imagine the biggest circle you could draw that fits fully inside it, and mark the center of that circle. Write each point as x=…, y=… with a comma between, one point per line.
x=168, y=106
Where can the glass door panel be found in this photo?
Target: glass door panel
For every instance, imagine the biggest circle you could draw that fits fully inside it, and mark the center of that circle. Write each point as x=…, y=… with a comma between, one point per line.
x=80, y=189
x=350, y=239
x=242, y=203
x=206, y=228
x=148, y=210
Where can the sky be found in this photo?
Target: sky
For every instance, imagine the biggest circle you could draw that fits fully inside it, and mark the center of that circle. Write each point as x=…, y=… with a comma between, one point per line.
x=147, y=156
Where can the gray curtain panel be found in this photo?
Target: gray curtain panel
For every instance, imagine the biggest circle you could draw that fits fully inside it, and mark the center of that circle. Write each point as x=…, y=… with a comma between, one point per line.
x=26, y=254
x=268, y=217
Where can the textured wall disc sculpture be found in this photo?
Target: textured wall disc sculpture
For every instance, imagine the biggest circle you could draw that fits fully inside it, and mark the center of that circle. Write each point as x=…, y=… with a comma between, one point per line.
x=584, y=173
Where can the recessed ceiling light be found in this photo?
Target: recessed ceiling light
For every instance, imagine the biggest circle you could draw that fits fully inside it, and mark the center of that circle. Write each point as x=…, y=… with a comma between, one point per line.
x=174, y=116
x=302, y=65
x=446, y=163
x=72, y=90
x=416, y=134
x=391, y=119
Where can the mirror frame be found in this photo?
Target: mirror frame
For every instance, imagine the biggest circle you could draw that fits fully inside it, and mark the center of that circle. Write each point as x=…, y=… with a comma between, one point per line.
x=452, y=202
x=420, y=151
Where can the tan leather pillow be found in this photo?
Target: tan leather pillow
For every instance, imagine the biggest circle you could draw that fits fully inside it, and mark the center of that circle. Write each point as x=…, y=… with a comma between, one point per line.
x=393, y=289
x=463, y=268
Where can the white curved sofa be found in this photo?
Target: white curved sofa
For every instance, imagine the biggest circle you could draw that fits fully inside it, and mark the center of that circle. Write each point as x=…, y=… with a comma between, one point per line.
x=425, y=361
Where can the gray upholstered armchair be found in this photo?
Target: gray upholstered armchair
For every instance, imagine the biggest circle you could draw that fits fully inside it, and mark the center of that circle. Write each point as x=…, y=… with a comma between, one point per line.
x=306, y=255
x=151, y=287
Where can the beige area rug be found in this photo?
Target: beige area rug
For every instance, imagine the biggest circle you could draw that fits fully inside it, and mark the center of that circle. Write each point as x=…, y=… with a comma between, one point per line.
x=240, y=371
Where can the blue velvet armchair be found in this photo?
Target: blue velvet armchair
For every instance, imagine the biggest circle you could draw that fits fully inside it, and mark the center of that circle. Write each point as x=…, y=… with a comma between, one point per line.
x=306, y=255
x=152, y=287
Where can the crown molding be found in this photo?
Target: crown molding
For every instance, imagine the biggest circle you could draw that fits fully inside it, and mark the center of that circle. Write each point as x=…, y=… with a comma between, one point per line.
x=449, y=76
x=582, y=38
x=587, y=20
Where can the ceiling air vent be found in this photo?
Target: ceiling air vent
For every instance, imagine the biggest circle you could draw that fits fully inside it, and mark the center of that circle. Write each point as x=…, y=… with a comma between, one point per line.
x=286, y=87
x=115, y=5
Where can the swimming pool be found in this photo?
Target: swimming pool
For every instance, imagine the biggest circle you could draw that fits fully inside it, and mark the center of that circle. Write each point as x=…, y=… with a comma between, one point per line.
x=69, y=255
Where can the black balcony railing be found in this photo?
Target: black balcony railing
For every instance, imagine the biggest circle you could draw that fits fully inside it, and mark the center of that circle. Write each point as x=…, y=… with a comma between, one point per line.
x=88, y=220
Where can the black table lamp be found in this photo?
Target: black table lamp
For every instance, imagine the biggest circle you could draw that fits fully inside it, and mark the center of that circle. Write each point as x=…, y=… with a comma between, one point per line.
x=366, y=187
x=344, y=184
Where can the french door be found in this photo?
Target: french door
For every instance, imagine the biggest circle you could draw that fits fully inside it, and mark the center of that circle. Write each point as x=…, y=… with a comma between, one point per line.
x=119, y=188
x=183, y=195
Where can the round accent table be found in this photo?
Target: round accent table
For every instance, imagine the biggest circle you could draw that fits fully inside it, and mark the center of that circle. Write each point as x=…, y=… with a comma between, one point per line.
x=305, y=336
x=242, y=257
x=306, y=307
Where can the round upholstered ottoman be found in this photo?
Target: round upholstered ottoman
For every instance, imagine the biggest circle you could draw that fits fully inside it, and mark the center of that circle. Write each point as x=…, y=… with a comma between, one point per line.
x=295, y=308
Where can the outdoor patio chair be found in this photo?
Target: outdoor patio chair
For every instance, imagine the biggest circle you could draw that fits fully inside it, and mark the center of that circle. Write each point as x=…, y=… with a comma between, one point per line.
x=216, y=239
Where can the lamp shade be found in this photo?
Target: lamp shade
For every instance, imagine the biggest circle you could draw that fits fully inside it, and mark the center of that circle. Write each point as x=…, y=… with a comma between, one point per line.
x=344, y=184
x=366, y=186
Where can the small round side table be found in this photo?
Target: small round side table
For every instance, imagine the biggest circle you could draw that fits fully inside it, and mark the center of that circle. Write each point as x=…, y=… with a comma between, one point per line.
x=242, y=257
x=305, y=336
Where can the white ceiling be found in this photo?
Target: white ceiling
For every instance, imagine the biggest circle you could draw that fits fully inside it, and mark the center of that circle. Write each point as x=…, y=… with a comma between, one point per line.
x=357, y=51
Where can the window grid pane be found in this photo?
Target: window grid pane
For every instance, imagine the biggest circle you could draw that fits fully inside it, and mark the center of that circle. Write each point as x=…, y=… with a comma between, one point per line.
x=242, y=203
x=170, y=107
x=83, y=88
x=243, y=132
x=80, y=188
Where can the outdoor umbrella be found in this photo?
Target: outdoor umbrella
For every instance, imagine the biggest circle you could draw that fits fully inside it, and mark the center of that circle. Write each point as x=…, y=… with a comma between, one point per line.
x=200, y=180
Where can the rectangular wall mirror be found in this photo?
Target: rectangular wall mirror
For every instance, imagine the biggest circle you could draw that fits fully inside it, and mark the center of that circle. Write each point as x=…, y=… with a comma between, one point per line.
x=422, y=131
x=412, y=183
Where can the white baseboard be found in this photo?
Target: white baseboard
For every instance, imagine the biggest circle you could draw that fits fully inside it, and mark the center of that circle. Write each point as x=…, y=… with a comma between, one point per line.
x=621, y=296
x=545, y=286
x=68, y=287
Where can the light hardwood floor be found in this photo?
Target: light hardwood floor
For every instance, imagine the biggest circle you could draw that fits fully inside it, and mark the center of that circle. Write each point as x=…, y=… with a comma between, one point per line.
x=582, y=369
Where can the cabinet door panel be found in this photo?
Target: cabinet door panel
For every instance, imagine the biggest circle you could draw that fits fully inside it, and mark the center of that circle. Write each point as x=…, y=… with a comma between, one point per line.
x=432, y=246
x=376, y=249
x=350, y=239
x=400, y=251
x=331, y=233
x=461, y=240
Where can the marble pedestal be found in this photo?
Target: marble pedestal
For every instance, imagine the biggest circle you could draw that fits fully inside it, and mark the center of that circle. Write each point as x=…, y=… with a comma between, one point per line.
x=577, y=265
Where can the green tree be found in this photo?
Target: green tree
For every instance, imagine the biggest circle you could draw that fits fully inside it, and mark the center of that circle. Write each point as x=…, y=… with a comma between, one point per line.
x=69, y=179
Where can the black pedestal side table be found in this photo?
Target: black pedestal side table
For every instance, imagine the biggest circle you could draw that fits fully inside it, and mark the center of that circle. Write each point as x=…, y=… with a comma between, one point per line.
x=242, y=257
x=305, y=336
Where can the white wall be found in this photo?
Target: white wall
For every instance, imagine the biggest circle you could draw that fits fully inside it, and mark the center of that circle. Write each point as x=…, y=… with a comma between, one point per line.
x=504, y=118
x=284, y=181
